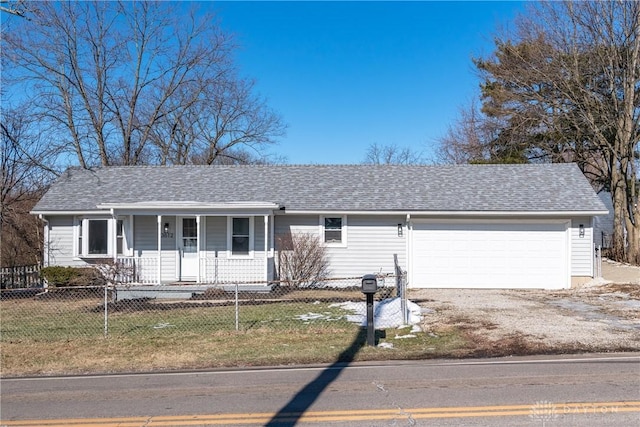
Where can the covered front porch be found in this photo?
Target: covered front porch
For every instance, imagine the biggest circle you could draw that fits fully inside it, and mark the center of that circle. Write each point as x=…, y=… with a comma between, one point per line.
x=194, y=243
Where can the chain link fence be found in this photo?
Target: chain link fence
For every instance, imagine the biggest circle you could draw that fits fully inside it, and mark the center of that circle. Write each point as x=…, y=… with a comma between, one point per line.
x=148, y=311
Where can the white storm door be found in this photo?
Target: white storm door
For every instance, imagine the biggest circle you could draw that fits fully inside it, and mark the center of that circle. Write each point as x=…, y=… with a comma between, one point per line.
x=188, y=247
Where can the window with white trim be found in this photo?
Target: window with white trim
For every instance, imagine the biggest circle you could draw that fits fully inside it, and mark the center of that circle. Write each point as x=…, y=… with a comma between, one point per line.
x=94, y=237
x=80, y=231
x=240, y=236
x=333, y=230
x=120, y=238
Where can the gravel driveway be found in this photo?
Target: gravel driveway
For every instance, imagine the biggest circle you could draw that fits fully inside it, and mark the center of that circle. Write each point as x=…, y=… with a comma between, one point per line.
x=603, y=315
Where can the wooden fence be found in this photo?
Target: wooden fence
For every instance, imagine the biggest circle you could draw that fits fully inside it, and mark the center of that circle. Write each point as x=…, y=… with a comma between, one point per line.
x=19, y=277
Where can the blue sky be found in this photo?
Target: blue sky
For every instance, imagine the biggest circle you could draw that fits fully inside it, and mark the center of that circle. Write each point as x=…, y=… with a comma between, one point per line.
x=345, y=75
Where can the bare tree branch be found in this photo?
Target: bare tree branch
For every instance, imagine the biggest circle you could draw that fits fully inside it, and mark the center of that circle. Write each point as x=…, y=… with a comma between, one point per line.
x=135, y=82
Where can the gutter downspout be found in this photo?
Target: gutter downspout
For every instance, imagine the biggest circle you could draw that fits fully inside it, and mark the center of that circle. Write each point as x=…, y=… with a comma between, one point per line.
x=159, y=272
x=46, y=241
x=409, y=248
x=45, y=250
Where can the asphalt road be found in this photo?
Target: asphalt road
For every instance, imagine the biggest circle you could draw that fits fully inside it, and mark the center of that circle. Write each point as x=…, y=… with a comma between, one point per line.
x=580, y=390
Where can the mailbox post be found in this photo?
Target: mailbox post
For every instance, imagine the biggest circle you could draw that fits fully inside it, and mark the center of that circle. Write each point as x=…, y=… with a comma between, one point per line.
x=369, y=288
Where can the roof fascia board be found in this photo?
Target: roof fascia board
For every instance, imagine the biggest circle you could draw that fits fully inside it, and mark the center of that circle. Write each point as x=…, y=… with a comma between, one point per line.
x=188, y=205
x=194, y=212
x=82, y=212
x=453, y=213
x=190, y=209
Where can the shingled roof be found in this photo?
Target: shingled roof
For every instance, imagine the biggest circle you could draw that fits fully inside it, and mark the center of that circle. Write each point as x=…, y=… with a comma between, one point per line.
x=455, y=188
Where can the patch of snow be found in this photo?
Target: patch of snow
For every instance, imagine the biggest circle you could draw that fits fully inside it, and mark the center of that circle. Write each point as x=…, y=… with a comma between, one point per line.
x=162, y=325
x=386, y=313
x=308, y=317
x=401, y=337
x=385, y=345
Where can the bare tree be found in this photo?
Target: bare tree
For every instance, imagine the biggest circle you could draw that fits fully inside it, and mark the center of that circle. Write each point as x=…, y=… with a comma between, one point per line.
x=134, y=82
x=226, y=123
x=566, y=87
x=17, y=7
x=471, y=138
x=391, y=155
x=25, y=163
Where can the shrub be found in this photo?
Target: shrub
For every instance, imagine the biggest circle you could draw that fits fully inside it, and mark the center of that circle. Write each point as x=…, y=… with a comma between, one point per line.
x=89, y=276
x=302, y=260
x=58, y=276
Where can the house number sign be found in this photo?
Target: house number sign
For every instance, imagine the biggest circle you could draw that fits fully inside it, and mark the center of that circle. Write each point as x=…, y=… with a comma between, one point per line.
x=167, y=234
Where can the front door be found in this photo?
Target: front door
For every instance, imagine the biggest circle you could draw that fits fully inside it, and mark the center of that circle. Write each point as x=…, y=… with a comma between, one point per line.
x=188, y=247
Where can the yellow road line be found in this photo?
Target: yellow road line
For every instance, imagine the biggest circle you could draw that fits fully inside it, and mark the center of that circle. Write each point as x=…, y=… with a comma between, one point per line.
x=544, y=409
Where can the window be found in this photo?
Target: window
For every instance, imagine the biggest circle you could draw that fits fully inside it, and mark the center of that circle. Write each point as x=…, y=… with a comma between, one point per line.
x=94, y=237
x=240, y=236
x=120, y=237
x=80, y=249
x=98, y=236
x=333, y=230
x=189, y=235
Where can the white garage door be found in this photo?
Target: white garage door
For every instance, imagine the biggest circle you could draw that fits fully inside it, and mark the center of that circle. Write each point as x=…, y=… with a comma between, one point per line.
x=490, y=255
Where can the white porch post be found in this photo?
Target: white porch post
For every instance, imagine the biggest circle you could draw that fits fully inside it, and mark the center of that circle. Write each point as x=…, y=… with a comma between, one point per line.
x=198, y=246
x=266, y=247
x=114, y=235
x=272, y=237
x=159, y=272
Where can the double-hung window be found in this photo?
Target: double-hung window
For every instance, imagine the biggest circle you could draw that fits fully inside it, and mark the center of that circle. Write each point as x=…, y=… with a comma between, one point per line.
x=240, y=236
x=120, y=238
x=333, y=230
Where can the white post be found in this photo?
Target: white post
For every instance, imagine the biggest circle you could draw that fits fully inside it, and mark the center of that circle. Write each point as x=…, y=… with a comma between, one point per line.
x=198, y=246
x=266, y=248
x=45, y=248
x=114, y=235
x=159, y=249
x=273, y=234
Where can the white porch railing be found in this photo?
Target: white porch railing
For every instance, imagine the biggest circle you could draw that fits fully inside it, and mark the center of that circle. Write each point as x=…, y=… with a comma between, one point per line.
x=222, y=270
x=143, y=270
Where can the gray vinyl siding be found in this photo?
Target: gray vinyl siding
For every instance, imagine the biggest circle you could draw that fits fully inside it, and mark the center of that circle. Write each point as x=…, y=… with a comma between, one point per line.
x=296, y=224
x=216, y=236
x=146, y=243
x=61, y=241
x=258, y=241
x=371, y=243
x=581, y=247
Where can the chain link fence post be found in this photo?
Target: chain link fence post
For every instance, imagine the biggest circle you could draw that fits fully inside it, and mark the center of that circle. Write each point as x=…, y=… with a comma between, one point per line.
x=106, y=310
x=237, y=309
